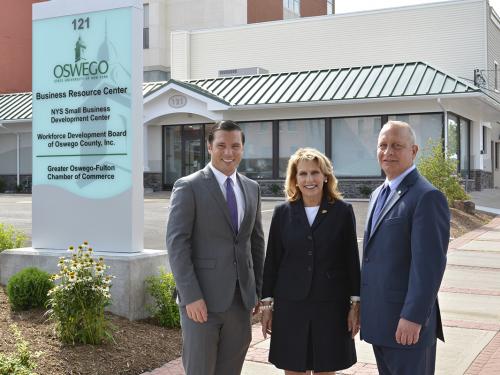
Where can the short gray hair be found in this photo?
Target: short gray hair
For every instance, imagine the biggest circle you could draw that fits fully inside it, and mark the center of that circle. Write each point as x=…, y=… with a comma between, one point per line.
x=404, y=125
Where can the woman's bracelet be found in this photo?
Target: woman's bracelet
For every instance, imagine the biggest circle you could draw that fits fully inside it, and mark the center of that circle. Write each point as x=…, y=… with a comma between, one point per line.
x=267, y=307
x=354, y=304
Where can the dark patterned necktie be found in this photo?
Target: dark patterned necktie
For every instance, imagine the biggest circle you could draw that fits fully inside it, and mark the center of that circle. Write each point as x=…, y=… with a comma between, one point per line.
x=231, y=204
x=379, y=205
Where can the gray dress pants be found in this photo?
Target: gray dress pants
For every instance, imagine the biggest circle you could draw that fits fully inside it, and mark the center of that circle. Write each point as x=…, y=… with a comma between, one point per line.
x=218, y=346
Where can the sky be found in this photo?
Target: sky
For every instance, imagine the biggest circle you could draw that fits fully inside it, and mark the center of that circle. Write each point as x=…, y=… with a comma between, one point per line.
x=345, y=6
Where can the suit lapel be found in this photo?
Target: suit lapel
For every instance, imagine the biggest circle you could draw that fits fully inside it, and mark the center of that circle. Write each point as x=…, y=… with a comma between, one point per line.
x=396, y=196
x=299, y=213
x=322, y=212
x=371, y=206
x=388, y=205
x=246, y=198
x=213, y=187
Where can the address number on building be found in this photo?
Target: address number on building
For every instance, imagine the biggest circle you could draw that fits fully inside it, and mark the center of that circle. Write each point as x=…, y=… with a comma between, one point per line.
x=177, y=101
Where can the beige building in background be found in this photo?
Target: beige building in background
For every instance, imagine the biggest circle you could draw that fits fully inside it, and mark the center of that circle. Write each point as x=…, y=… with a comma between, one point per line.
x=161, y=17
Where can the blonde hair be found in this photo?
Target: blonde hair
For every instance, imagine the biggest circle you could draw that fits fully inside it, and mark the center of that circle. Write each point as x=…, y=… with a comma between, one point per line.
x=292, y=192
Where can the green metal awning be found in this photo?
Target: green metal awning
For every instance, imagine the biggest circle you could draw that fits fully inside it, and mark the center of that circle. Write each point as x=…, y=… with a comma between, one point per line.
x=364, y=82
x=15, y=107
x=415, y=79
x=150, y=88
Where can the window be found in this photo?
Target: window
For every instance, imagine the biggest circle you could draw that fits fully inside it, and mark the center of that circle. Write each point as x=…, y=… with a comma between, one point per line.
x=257, y=162
x=172, y=154
x=428, y=129
x=145, y=30
x=497, y=83
x=295, y=134
x=497, y=155
x=354, y=143
x=453, y=136
x=330, y=6
x=464, y=147
x=291, y=9
x=484, y=143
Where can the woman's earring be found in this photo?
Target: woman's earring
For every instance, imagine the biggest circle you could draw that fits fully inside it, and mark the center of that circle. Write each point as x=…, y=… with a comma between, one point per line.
x=326, y=181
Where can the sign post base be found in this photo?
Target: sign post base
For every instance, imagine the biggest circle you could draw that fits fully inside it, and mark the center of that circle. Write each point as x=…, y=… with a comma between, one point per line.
x=128, y=291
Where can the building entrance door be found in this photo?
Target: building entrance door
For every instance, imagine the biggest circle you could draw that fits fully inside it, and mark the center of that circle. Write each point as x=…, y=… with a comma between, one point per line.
x=192, y=149
x=184, y=151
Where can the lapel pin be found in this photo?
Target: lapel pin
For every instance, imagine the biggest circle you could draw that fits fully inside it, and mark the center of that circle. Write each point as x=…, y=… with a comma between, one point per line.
x=324, y=211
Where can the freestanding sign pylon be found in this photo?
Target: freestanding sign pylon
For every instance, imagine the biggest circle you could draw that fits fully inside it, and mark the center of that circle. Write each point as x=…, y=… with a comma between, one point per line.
x=87, y=124
x=87, y=144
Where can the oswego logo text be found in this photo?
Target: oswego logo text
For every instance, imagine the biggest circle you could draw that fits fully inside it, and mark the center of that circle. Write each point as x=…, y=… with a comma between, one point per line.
x=81, y=67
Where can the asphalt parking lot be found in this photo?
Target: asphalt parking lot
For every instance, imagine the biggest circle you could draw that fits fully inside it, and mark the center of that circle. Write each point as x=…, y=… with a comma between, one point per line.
x=15, y=209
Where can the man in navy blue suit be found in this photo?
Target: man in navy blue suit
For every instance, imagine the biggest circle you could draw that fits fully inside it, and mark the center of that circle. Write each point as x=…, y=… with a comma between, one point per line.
x=404, y=257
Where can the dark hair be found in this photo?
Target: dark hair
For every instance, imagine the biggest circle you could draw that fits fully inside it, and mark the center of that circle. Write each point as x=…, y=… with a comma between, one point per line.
x=225, y=125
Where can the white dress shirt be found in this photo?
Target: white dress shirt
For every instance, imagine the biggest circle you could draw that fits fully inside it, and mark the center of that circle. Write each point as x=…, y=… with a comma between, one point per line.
x=240, y=200
x=311, y=213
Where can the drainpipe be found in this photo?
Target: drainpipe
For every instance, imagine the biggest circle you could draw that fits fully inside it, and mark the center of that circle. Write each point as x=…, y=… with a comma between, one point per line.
x=18, y=146
x=445, y=112
x=18, y=169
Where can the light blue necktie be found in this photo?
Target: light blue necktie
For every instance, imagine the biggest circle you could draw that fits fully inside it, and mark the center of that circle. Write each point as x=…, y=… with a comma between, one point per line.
x=231, y=204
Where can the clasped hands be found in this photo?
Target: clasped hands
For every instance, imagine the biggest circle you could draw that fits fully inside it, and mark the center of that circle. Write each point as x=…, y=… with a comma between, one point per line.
x=353, y=320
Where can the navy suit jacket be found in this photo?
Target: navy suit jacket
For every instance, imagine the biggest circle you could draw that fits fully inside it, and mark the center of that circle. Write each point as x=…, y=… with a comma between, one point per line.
x=404, y=259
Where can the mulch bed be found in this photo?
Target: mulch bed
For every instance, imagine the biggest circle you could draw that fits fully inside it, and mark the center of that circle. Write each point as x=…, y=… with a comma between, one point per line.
x=139, y=346
x=462, y=222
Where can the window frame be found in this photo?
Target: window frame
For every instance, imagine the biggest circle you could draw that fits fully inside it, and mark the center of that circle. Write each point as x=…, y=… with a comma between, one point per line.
x=330, y=6
x=496, y=76
x=145, y=28
x=328, y=141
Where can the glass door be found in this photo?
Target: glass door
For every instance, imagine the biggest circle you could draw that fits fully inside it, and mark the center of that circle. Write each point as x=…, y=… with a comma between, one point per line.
x=172, y=154
x=193, y=149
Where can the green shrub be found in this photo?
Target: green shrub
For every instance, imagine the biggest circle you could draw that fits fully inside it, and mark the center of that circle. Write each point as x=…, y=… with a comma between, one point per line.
x=365, y=190
x=77, y=303
x=276, y=189
x=28, y=289
x=3, y=184
x=22, y=362
x=441, y=171
x=162, y=289
x=11, y=238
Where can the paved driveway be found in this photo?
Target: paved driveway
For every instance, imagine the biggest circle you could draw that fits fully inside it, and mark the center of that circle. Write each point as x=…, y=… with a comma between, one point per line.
x=16, y=210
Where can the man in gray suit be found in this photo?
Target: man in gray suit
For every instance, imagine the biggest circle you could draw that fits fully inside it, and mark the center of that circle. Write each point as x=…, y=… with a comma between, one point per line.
x=215, y=244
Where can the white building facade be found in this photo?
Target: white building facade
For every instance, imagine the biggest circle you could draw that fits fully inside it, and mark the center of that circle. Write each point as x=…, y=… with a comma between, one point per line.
x=161, y=17
x=460, y=38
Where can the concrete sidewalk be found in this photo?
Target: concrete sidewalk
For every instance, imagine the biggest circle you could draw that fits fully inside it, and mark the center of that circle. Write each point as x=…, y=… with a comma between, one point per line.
x=487, y=200
x=470, y=304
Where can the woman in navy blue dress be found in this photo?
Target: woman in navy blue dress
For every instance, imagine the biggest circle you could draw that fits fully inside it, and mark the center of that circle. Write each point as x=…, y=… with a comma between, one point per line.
x=310, y=302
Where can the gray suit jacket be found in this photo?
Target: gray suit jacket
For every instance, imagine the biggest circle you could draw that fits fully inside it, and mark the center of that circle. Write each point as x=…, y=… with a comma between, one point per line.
x=206, y=256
